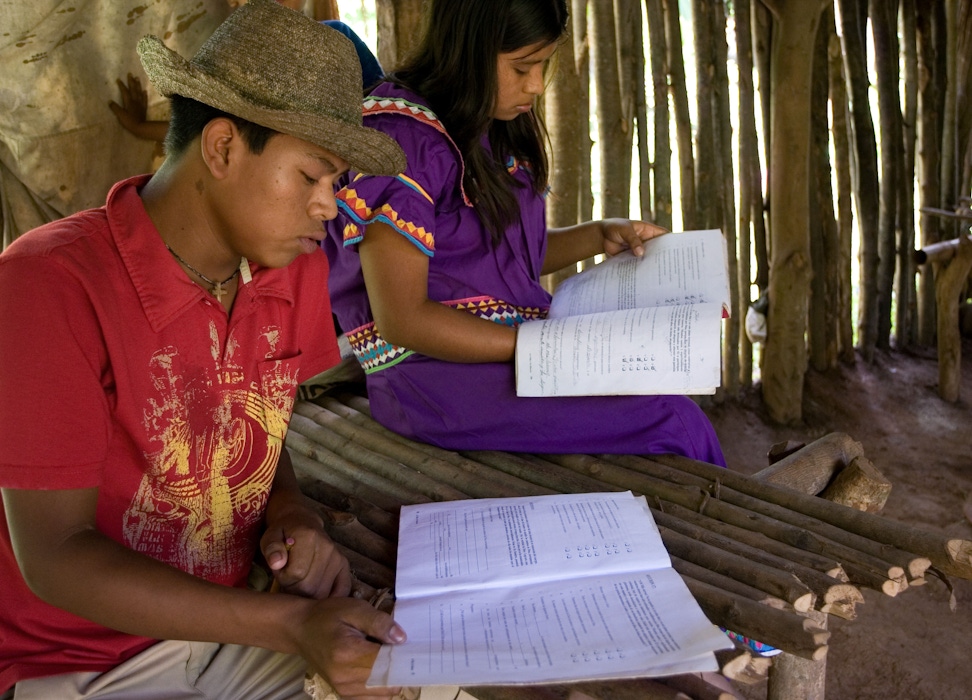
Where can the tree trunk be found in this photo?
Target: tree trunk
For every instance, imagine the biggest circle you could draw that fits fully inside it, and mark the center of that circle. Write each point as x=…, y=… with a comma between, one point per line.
x=949, y=179
x=399, y=30
x=683, y=119
x=631, y=60
x=582, y=57
x=905, y=320
x=762, y=43
x=662, y=169
x=727, y=192
x=840, y=118
x=884, y=27
x=932, y=73
x=613, y=125
x=962, y=85
x=750, y=180
x=853, y=15
x=707, y=175
x=950, y=279
x=785, y=360
x=824, y=248
x=568, y=136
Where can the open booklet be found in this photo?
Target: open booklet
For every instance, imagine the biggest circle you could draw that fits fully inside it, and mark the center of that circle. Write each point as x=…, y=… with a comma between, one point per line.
x=543, y=589
x=633, y=325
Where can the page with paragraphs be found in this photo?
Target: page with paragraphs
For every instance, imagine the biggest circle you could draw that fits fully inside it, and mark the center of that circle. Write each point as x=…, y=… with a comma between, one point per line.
x=659, y=350
x=487, y=542
x=610, y=626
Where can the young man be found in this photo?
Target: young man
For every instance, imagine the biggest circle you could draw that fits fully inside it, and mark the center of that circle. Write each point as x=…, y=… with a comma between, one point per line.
x=150, y=352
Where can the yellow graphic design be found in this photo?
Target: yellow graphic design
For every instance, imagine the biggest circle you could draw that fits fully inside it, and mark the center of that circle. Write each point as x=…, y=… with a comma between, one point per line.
x=202, y=495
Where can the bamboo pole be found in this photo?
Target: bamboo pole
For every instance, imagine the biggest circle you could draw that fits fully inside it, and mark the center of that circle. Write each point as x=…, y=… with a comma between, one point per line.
x=541, y=472
x=763, y=578
x=373, y=573
x=790, y=631
x=940, y=252
x=797, y=561
x=371, y=516
x=358, y=415
x=949, y=555
x=347, y=530
x=870, y=551
x=827, y=590
x=723, y=582
x=391, y=469
x=465, y=474
x=314, y=461
x=857, y=564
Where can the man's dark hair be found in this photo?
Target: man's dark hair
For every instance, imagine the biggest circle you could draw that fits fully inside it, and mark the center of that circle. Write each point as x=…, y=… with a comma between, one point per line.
x=448, y=69
x=189, y=117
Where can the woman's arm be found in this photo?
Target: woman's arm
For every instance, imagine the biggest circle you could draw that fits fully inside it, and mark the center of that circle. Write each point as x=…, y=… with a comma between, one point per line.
x=396, y=276
x=566, y=246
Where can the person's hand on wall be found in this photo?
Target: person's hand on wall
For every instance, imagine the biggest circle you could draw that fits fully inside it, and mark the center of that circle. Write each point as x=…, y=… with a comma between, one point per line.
x=131, y=113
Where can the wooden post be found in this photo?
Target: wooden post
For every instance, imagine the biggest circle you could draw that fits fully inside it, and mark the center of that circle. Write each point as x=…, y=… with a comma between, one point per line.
x=793, y=676
x=950, y=278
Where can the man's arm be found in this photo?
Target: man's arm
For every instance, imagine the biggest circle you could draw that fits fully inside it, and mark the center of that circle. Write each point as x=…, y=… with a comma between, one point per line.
x=68, y=563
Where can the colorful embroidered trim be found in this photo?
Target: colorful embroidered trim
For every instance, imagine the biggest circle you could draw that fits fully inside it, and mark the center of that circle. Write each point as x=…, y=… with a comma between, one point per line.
x=374, y=353
x=398, y=105
x=362, y=215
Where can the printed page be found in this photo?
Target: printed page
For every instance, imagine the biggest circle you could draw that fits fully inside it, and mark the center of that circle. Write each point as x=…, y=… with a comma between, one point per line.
x=487, y=542
x=606, y=626
x=688, y=267
x=661, y=350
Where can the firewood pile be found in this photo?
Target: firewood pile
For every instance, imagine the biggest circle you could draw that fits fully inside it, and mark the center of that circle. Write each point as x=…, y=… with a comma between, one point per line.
x=763, y=560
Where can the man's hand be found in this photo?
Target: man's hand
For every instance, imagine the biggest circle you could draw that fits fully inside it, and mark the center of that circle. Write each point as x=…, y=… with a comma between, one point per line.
x=338, y=640
x=303, y=558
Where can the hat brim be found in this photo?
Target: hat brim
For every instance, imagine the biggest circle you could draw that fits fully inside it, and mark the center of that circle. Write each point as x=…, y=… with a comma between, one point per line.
x=366, y=150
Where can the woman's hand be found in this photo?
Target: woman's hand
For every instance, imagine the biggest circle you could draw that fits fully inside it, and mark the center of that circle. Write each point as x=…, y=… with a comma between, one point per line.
x=566, y=246
x=625, y=234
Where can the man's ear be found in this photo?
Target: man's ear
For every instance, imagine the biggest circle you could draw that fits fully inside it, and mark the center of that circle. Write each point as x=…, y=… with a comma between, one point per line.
x=220, y=139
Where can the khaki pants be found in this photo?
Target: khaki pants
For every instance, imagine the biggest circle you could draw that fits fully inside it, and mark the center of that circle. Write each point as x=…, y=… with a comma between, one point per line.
x=174, y=670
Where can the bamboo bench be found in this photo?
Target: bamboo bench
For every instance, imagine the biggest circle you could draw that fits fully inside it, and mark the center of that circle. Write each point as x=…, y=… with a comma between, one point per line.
x=765, y=560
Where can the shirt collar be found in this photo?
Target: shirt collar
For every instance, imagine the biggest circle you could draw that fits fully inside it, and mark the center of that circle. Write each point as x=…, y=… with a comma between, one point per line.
x=163, y=288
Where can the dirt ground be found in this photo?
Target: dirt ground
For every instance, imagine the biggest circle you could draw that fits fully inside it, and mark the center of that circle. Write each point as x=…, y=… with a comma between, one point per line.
x=912, y=645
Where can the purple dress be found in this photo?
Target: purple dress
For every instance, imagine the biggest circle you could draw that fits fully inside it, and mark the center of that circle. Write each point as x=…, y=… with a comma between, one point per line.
x=474, y=406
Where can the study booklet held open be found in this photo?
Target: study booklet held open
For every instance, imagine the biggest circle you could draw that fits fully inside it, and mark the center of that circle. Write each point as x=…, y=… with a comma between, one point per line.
x=541, y=589
x=633, y=325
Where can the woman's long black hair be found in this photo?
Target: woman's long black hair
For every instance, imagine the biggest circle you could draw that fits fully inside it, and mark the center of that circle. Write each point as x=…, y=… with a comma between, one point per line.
x=454, y=69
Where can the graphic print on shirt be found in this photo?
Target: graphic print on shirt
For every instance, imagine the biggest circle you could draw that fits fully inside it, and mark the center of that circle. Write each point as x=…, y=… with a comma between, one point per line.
x=201, y=498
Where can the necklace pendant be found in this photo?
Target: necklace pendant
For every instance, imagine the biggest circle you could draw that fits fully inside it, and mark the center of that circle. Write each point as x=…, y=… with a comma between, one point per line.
x=218, y=292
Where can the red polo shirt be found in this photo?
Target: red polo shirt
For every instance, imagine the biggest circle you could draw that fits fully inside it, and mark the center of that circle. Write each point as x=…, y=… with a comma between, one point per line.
x=118, y=372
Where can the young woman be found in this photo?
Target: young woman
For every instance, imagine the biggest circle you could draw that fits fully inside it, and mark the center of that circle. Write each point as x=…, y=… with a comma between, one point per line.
x=432, y=271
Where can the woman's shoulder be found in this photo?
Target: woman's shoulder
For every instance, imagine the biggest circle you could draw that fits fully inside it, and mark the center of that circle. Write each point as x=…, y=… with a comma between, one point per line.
x=405, y=108
x=434, y=160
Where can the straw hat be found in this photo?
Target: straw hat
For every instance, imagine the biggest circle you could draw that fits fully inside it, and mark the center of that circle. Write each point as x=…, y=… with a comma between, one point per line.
x=280, y=69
